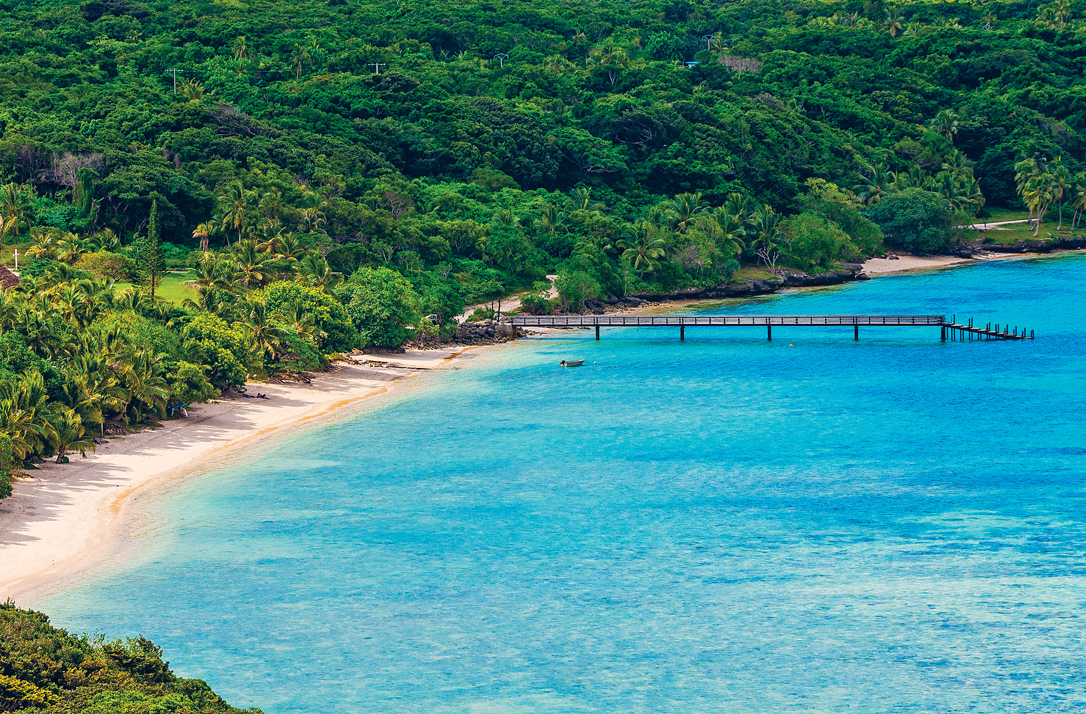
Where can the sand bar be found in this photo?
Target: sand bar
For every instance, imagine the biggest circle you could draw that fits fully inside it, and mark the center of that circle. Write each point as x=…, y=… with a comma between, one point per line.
x=65, y=519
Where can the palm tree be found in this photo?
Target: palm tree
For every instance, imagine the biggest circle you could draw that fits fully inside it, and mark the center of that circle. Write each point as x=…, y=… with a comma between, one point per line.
x=1060, y=184
x=104, y=240
x=265, y=333
x=288, y=247
x=70, y=435
x=551, y=219
x=249, y=268
x=24, y=414
x=147, y=391
x=1078, y=198
x=643, y=249
x=15, y=210
x=876, y=185
x=768, y=239
x=193, y=90
x=945, y=123
x=235, y=204
x=894, y=19
x=684, y=209
x=300, y=55
x=241, y=48
x=733, y=227
x=315, y=268
x=203, y=232
x=1038, y=195
x=69, y=249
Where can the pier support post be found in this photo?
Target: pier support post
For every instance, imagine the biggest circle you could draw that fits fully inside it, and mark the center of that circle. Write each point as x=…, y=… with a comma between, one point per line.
x=597, y=333
x=942, y=334
x=769, y=333
x=682, y=333
x=856, y=333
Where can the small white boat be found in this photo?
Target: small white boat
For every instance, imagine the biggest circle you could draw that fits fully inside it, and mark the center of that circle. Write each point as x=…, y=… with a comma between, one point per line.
x=572, y=362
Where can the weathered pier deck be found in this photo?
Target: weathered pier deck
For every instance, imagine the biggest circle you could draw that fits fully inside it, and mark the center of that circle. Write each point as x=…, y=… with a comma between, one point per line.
x=948, y=329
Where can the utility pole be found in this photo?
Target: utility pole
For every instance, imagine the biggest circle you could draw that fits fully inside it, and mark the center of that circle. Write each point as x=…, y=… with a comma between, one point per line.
x=376, y=66
x=708, y=41
x=174, y=71
x=16, y=258
x=501, y=57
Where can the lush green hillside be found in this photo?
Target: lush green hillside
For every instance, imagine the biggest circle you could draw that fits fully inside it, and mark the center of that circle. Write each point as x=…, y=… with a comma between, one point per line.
x=349, y=168
x=46, y=670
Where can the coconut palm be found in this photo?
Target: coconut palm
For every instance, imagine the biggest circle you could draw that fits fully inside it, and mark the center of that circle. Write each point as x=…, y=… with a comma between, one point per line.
x=945, y=123
x=249, y=267
x=643, y=249
x=70, y=435
x=204, y=231
x=300, y=55
x=235, y=206
x=767, y=239
x=24, y=414
x=147, y=392
x=241, y=48
x=683, y=209
x=733, y=231
x=894, y=20
x=15, y=210
x=876, y=184
x=104, y=240
x=316, y=270
x=265, y=333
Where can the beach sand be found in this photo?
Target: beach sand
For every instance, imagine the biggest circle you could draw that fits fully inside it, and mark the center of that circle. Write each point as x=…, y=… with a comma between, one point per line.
x=904, y=263
x=65, y=519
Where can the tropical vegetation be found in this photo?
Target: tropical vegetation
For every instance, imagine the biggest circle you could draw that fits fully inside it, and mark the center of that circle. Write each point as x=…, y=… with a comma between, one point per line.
x=44, y=669
x=337, y=175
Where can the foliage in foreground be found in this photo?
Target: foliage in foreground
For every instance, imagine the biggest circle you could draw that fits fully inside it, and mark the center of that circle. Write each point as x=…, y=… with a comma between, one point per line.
x=46, y=670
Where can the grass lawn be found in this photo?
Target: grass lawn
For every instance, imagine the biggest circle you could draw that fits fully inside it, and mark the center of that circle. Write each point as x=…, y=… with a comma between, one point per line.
x=751, y=273
x=173, y=287
x=1004, y=214
x=7, y=253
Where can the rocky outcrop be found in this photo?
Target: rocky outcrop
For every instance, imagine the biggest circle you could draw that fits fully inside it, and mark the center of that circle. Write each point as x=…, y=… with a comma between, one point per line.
x=1048, y=245
x=484, y=332
x=766, y=286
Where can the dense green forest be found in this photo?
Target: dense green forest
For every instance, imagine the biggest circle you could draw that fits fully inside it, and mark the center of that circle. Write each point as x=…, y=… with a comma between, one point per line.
x=44, y=669
x=341, y=174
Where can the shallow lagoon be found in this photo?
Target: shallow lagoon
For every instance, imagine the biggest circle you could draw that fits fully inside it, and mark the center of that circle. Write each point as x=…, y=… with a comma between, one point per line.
x=720, y=525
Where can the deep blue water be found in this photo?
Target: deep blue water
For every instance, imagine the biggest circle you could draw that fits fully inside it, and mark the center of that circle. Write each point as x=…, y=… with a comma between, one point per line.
x=720, y=525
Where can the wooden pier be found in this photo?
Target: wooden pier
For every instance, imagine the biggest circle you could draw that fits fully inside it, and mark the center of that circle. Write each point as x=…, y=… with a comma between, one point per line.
x=949, y=330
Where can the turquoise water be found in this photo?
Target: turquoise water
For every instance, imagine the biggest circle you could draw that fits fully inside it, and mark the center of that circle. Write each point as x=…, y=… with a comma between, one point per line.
x=720, y=525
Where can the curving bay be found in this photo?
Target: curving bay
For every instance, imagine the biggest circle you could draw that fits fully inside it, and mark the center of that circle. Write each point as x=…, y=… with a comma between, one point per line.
x=720, y=525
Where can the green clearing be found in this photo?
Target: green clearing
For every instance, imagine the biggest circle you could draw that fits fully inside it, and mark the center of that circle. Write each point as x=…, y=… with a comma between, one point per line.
x=173, y=287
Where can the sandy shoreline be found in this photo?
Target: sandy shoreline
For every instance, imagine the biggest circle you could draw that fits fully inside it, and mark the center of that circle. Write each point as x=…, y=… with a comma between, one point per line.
x=63, y=520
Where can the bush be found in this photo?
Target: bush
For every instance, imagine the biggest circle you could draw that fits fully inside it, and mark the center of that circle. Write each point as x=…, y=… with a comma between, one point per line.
x=224, y=350
x=107, y=266
x=382, y=305
x=915, y=220
x=482, y=313
x=145, y=332
x=175, y=256
x=188, y=384
x=328, y=314
x=818, y=242
x=574, y=288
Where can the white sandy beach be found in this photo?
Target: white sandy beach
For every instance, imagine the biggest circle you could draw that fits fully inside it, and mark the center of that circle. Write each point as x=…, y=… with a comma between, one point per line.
x=64, y=519
x=905, y=263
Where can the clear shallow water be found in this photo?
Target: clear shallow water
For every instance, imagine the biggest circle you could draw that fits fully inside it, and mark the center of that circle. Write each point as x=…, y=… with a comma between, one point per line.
x=720, y=525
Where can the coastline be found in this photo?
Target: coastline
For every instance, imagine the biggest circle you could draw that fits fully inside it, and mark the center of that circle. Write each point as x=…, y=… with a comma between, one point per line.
x=64, y=521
